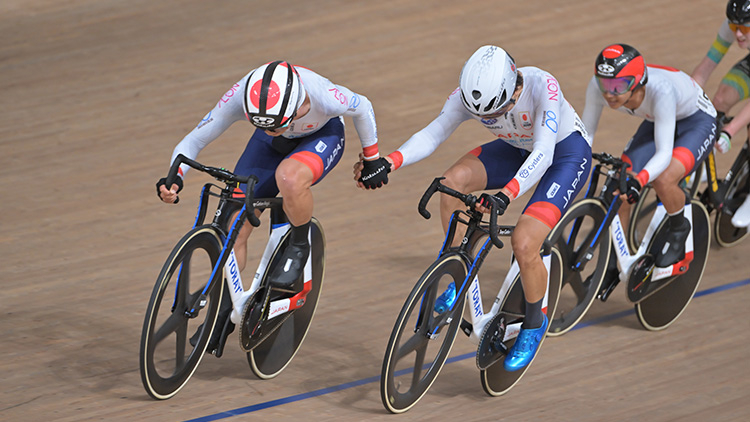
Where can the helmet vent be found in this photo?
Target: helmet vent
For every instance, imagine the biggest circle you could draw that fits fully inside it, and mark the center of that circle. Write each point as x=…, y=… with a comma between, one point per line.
x=490, y=105
x=476, y=94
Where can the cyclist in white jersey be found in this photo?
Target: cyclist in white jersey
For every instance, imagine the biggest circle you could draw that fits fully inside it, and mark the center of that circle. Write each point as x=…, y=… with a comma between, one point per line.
x=539, y=141
x=298, y=139
x=734, y=87
x=678, y=129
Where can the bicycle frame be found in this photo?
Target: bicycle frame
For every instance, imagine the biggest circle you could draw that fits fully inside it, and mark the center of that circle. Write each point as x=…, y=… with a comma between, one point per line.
x=279, y=227
x=715, y=193
x=626, y=260
x=226, y=265
x=472, y=289
x=612, y=221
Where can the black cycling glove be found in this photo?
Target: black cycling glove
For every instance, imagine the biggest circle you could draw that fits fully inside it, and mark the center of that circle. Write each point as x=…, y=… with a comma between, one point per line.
x=500, y=199
x=163, y=182
x=632, y=189
x=375, y=173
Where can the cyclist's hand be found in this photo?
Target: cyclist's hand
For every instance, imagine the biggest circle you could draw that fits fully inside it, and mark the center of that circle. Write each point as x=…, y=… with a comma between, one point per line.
x=632, y=189
x=500, y=199
x=169, y=195
x=357, y=170
x=724, y=143
x=374, y=173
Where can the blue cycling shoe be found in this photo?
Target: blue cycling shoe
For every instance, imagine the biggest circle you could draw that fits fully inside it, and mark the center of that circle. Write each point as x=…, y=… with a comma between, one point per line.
x=446, y=299
x=525, y=347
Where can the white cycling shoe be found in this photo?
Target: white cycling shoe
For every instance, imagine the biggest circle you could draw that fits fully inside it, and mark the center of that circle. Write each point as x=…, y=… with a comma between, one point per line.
x=741, y=217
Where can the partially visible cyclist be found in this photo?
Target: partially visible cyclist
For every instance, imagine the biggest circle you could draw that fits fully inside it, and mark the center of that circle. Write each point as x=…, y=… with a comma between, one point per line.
x=298, y=139
x=678, y=129
x=539, y=140
x=734, y=87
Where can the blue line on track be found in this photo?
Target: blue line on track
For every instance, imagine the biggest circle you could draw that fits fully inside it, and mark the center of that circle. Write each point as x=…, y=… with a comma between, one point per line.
x=328, y=390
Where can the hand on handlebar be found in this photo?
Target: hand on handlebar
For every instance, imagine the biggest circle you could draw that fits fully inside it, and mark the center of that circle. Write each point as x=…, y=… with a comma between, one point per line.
x=724, y=143
x=633, y=189
x=500, y=201
x=169, y=195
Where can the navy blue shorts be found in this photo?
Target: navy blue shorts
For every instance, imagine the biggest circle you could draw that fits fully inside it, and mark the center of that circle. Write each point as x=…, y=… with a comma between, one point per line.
x=694, y=137
x=560, y=184
x=320, y=151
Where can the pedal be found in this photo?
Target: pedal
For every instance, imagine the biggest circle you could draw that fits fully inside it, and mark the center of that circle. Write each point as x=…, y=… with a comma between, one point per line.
x=491, y=347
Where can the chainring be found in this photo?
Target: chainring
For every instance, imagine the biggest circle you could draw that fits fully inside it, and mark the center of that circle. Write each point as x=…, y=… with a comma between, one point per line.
x=491, y=347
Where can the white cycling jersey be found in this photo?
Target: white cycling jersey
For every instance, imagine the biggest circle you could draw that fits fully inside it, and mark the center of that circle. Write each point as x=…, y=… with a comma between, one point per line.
x=327, y=101
x=671, y=95
x=539, y=120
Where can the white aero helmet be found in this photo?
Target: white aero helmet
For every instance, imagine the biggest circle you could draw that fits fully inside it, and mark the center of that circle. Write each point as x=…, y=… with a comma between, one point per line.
x=272, y=95
x=488, y=81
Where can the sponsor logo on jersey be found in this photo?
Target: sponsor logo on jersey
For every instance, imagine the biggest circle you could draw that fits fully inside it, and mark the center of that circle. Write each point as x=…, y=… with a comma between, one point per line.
x=309, y=126
x=320, y=147
x=553, y=190
x=206, y=120
x=526, y=121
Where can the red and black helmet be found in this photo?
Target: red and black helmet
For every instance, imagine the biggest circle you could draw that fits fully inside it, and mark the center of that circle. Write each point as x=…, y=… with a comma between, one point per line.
x=620, y=68
x=273, y=93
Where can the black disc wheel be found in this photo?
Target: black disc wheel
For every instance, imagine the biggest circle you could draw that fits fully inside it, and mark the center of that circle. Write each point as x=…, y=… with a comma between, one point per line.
x=282, y=336
x=659, y=310
x=180, y=316
x=422, y=337
x=572, y=235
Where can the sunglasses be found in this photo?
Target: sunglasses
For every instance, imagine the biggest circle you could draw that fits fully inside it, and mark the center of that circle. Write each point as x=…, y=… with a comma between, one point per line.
x=742, y=28
x=615, y=86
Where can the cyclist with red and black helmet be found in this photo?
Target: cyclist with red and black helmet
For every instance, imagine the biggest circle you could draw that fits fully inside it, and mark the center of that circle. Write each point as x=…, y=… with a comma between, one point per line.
x=539, y=141
x=678, y=129
x=298, y=140
x=734, y=87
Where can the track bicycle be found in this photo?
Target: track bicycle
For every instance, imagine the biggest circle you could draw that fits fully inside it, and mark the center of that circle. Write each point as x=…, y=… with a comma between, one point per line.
x=424, y=333
x=592, y=242
x=721, y=195
x=189, y=293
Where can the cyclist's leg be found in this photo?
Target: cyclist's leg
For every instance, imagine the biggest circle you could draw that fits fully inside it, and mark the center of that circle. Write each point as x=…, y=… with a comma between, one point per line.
x=260, y=158
x=734, y=87
x=310, y=161
x=694, y=138
x=557, y=189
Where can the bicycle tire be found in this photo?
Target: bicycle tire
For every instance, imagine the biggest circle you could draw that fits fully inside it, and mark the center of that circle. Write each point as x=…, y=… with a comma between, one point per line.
x=661, y=309
x=166, y=326
x=580, y=287
x=274, y=353
x=495, y=380
x=728, y=235
x=640, y=217
x=404, y=360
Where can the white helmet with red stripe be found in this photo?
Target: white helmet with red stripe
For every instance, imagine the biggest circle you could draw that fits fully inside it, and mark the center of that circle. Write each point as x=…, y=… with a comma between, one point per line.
x=273, y=94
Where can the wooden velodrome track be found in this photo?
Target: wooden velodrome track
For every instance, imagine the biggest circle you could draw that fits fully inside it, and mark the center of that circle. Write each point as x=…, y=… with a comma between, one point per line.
x=94, y=96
